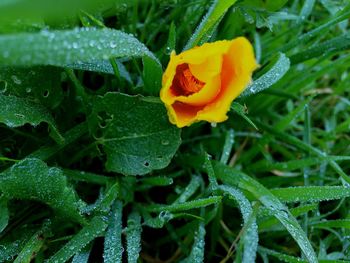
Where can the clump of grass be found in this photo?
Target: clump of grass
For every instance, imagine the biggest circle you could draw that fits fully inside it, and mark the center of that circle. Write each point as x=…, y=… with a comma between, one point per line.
x=93, y=172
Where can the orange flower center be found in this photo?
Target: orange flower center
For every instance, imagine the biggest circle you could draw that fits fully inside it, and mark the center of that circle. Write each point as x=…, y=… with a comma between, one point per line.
x=184, y=83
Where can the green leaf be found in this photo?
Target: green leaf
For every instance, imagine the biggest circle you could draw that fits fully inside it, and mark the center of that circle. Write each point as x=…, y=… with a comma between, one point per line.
x=236, y=178
x=135, y=133
x=209, y=22
x=133, y=237
x=152, y=76
x=95, y=228
x=16, y=112
x=277, y=68
x=113, y=248
x=4, y=214
x=39, y=84
x=78, y=46
x=32, y=179
x=311, y=193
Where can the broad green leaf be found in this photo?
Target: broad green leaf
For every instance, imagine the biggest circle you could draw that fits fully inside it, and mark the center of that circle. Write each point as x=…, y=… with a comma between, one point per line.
x=78, y=46
x=133, y=237
x=15, y=112
x=135, y=133
x=39, y=84
x=277, y=68
x=113, y=248
x=236, y=178
x=94, y=229
x=32, y=179
x=4, y=214
x=209, y=23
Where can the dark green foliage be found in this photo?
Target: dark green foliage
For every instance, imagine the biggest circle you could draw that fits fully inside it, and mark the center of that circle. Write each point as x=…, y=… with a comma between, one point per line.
x=91, y=169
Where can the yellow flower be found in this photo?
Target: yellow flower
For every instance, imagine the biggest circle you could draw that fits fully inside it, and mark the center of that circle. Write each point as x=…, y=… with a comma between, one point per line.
x=201, y=83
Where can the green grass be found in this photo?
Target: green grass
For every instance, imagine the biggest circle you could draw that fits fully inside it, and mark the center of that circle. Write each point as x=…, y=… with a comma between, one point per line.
x=91, y=170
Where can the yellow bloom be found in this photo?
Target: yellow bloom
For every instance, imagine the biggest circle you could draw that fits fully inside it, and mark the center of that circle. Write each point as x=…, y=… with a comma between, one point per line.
x=201, y=83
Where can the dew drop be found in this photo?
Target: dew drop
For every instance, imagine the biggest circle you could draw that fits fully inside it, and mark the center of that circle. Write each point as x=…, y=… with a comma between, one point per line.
x=16, y=80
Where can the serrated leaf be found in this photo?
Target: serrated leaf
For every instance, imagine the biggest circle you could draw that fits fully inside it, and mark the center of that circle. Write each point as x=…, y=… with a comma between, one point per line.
x=15, y=112
x=135, y=133
x=277, y=68
x=32, y=179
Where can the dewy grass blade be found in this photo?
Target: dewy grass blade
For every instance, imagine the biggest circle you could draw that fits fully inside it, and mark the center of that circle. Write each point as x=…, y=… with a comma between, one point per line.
x=207, y=26
x=236, y=178
x=95, y=227
x=197, y=252
x=113, y=248
x=276, y=70
x=133, y=237
x=311, y=193
x=186, y=205
x=331, y=46
x=250, y=235
x=306, y=147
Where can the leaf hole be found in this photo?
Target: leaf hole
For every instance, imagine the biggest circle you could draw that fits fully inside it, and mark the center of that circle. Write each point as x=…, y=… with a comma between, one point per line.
x=46, y=93
x=3, y=86
x=146, y=164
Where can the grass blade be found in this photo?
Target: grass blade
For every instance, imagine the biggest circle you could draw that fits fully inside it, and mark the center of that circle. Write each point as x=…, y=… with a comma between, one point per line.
x=133, y=237
x=95, y=227
x=250, y=235
x=311, y=193
x=113, y=248
x=209, y=22
x=275, y=71
x=233, y=177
